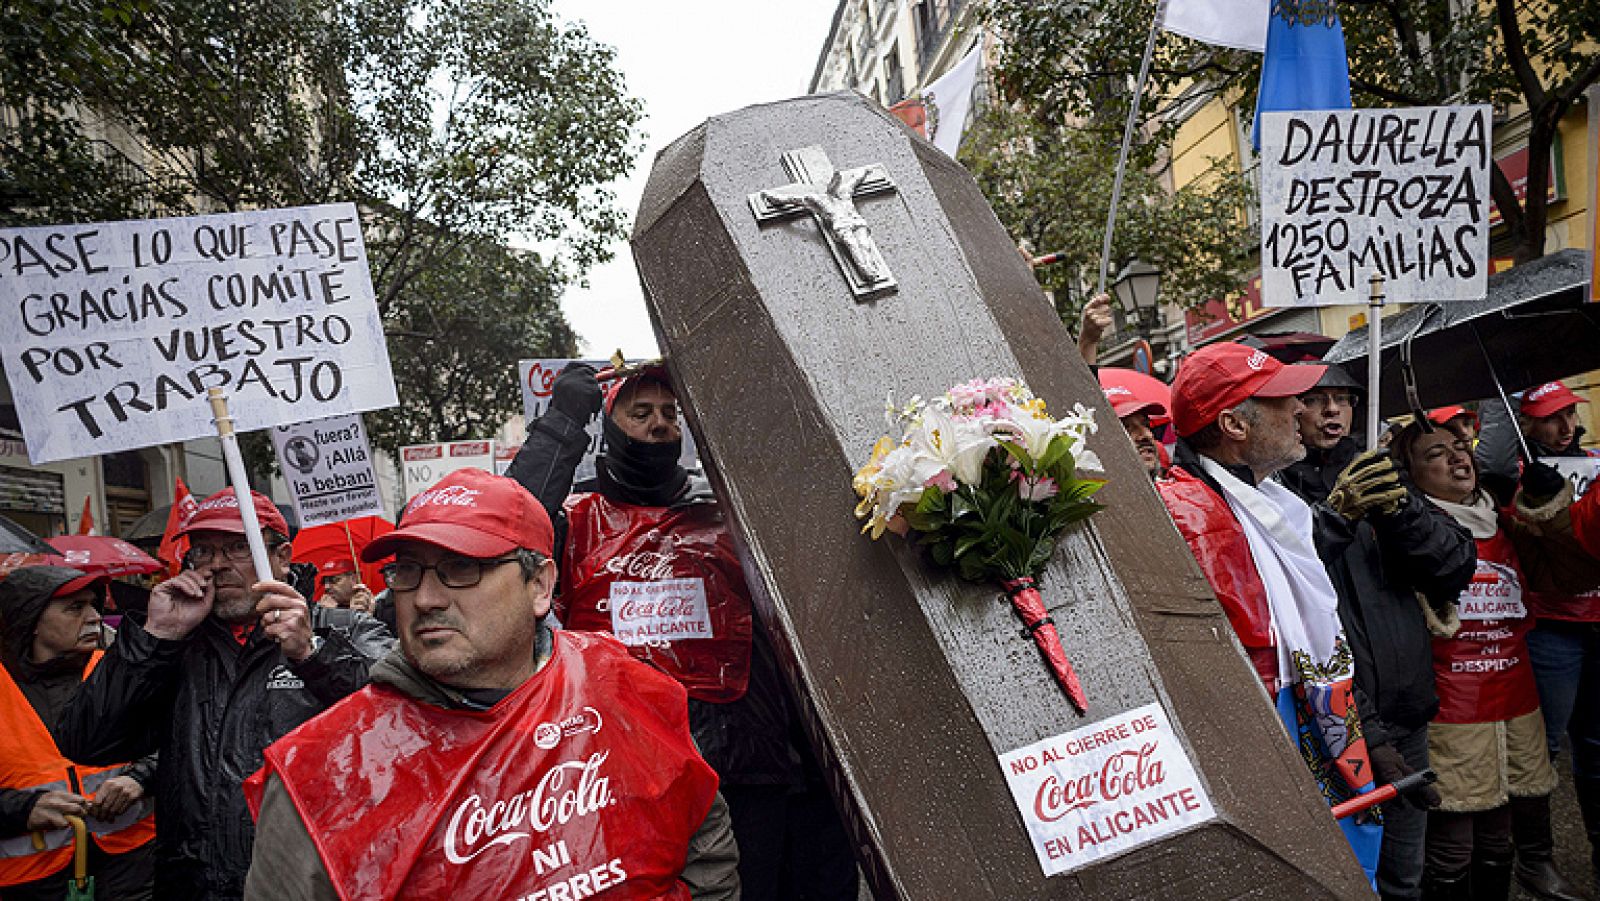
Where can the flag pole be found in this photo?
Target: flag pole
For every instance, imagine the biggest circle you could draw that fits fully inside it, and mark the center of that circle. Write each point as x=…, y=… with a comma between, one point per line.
x=241, y=482
x=1374, y=356
x=1127, y=141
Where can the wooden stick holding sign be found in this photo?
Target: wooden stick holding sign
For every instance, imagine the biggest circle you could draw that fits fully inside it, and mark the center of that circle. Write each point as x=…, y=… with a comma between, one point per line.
x=241, y=483
x=1374, y=357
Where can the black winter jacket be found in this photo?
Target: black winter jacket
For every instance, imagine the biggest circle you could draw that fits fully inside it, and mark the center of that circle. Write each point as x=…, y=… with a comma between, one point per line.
x=1312, y=478
x=1383, y=568
x=210, y=707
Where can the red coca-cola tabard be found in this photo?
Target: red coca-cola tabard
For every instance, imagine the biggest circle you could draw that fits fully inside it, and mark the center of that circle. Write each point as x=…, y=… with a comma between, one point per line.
x=583, y=782
x=666, y=582
x=1483, y=674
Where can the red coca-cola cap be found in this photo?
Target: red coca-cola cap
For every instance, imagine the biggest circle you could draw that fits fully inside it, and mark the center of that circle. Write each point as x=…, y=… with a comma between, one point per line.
x=1444, y=414
x=220, y=513
x=473, y=513
x=1549, y=398
x=1219, y=377
x=618, y=387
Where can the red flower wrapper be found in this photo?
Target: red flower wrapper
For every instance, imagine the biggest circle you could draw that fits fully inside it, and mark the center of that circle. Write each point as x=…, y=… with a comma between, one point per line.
x=1029, y=607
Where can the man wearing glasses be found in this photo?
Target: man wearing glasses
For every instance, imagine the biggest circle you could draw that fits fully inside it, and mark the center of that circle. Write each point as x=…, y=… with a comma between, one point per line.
x=491, y=757
x=1325, y=430
x=221, y=666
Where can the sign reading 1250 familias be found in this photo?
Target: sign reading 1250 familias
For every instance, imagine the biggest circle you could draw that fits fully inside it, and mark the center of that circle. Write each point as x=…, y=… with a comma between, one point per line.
x=1399, y=192
x=112, y=332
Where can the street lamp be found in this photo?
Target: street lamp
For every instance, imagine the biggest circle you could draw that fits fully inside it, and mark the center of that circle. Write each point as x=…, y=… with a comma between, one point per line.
x=1136, y=289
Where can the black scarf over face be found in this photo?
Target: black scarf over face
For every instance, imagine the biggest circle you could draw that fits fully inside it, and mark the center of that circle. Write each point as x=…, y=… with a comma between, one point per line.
x=643, y=473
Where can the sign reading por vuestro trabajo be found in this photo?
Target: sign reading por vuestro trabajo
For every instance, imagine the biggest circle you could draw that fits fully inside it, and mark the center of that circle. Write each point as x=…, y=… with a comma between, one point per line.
x=1349, y=193
x=113, y=331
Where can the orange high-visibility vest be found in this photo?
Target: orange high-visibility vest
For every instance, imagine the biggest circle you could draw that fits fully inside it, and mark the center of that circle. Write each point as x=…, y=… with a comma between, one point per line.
x=30, y=761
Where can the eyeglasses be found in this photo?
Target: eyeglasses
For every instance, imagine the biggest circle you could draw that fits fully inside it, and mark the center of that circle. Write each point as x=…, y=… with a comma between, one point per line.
x=237, y=552
x=1328, y=400
x=453, y=572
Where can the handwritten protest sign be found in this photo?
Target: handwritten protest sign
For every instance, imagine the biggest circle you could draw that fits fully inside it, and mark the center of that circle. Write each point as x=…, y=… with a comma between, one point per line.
x=113, y=331
x=1580, y=471
x=1349, y=193
x=329, y=469
x=1106, y=788
x=538, y=377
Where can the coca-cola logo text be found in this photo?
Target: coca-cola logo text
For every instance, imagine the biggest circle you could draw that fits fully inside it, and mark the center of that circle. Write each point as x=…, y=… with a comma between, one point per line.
x=449, y=496
x=672, y=605
x=567, y=791
x=1123, y=773
x=646, y=566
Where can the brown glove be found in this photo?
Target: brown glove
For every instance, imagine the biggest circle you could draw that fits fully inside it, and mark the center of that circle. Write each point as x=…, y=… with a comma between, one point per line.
x=1388, y=766
x=1370, y=483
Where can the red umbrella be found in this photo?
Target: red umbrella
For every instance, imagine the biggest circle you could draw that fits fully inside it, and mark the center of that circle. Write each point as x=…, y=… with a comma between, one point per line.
x=339, y=543
x=9, y=563
x=102, y=555
x=1130, y=391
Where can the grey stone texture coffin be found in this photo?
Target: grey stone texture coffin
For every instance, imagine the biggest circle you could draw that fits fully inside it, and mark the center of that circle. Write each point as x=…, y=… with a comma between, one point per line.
x=913, y=682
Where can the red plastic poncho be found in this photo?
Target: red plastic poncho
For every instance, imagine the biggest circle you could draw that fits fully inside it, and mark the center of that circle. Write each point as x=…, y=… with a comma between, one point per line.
x=1483, y=674
x=582, y=780
x=1585, y=607
x=1219, y=546
x=665, y=582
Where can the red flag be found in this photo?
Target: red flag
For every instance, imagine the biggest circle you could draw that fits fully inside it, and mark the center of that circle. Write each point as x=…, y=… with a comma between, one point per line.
x=173, y=547
x=86, y=521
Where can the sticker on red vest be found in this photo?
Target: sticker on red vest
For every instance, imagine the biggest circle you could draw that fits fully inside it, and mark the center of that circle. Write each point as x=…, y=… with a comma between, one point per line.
x=655, y=613
x=1494, y=593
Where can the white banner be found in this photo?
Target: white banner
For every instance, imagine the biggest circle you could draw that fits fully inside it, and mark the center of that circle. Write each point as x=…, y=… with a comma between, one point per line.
x=1347, y=193
x=423, y=465
x=113, y=331
x=328, y=466
x=1104, y=789
x=1580, y=471
x=537, y=377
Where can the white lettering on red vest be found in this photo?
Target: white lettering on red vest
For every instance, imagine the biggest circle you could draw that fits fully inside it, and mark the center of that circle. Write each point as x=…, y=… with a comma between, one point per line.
x=556, y=800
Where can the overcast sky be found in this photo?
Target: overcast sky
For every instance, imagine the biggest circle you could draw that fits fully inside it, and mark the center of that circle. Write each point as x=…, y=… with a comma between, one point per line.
x=687, y=61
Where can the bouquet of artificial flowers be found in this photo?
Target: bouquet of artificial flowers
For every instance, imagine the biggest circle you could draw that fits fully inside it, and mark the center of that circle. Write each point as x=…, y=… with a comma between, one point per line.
x=987, y=480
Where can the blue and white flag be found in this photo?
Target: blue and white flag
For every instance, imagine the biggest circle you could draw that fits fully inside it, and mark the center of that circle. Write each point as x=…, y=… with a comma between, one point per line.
x=1305, y=67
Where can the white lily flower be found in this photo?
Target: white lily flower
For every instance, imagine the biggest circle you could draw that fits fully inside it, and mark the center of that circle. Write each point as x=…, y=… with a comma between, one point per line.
x=956, y=445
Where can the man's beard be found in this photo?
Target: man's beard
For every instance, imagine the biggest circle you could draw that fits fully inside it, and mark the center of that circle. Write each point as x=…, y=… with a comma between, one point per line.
x=234, y=611
x=1265, y=459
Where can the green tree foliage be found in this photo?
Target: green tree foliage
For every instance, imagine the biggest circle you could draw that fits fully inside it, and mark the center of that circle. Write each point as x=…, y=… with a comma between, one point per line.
x=460, y=127
x=1066, y=62
x=1050, y=183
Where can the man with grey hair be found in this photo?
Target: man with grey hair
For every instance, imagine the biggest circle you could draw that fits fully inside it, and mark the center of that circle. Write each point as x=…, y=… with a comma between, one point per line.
x=1236, y=410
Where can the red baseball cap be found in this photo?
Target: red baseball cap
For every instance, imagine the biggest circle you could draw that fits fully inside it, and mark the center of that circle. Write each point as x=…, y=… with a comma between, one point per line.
x=88, y=580
x=220, y=513
x=618, y=387
x=1549, y=398
x=1445, y=414
x=1218, y=377
x=1133, y=392
x=473, y=513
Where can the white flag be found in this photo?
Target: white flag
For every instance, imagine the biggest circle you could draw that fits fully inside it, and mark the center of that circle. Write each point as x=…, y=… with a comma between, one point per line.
x=1240, y=24
x=950, y=99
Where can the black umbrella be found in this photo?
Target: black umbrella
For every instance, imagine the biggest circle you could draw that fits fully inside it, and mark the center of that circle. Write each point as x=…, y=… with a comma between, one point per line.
x=1534, y=327
x=14, y=539
x=149, y=527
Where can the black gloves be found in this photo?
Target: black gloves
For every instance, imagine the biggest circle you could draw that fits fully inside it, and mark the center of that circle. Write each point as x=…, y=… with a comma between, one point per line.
x=1388, y=766
x=1541, y=482
x=576, y=393
x=1370, y=483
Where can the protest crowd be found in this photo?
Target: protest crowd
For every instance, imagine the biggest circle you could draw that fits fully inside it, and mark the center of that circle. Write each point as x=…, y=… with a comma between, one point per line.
x=1291, y=626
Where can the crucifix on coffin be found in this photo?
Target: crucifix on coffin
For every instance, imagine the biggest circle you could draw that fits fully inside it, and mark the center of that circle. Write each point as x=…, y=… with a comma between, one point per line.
x=828, y=195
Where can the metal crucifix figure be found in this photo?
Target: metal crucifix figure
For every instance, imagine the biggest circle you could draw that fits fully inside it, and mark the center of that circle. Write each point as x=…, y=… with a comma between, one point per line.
x=829, y=195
